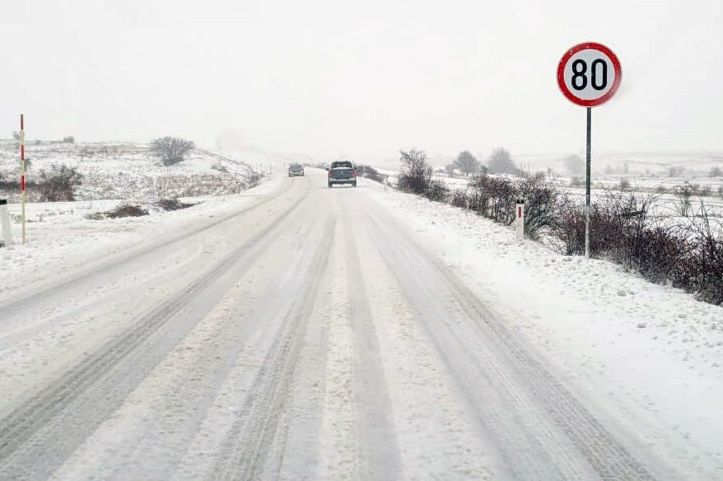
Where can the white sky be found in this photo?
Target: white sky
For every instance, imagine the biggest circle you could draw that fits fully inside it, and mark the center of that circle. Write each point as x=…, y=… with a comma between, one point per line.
x=363, y=78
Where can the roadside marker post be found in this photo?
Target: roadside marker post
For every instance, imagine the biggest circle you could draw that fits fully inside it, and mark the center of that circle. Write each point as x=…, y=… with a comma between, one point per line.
x=520, y=234
x=5, y=223
x=23, y=183
x=588, y=75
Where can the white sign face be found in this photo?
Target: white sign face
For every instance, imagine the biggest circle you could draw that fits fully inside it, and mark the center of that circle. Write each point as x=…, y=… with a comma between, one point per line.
x=589, y=74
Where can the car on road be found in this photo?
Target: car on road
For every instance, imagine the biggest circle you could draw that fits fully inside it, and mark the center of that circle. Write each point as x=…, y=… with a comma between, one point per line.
x=296, y=169
x=342, y=172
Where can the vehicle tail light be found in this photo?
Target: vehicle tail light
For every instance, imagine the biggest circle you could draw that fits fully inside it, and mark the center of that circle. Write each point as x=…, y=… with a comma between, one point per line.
x=353, y=173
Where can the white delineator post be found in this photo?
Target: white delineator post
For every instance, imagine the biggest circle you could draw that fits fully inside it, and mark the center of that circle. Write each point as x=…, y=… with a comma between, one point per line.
x=5, y=223
x=520, y=211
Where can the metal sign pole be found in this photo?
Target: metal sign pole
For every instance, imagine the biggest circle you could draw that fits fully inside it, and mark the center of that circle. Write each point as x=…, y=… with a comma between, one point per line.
x=589, y=74
x=23, y=194
x=587, y=183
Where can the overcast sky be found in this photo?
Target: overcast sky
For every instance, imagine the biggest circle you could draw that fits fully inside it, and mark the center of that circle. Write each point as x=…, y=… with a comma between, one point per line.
x=361, y=79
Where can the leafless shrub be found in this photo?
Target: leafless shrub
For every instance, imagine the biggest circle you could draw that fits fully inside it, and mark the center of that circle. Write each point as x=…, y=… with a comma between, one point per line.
x=416, y=173
x=437, y=191
x=173, y=204
x=633, y=240
x=541, y=199
x=503, y=195
x=126, y=210
x=95, y=216
x=479, y=194
x=622, y=229
x=684, y=193
x=708, y=263
x=496, y=197
x=689, y=257
x=171, y=150
x=568, y=231
x=59, y=183
x=459, y=198
x=253, y=179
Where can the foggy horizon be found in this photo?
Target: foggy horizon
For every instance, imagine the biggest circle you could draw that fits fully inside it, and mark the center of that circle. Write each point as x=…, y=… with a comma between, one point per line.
x=327, y=80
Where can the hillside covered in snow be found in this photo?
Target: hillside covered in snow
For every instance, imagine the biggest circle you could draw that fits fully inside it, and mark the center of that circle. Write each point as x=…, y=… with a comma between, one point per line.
x=129, y=171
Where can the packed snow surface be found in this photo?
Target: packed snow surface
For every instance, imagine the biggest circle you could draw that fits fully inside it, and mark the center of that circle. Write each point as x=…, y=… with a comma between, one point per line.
x=296, y=332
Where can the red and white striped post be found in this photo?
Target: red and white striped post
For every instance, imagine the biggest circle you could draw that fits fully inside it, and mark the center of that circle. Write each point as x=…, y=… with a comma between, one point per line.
x=520, y=211
x=23, y=184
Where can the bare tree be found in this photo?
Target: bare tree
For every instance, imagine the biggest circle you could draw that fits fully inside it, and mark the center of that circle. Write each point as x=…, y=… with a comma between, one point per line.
x=171, y=150
x=467, y=163
x=684, y=193
x=500, y=162
x=416, y=172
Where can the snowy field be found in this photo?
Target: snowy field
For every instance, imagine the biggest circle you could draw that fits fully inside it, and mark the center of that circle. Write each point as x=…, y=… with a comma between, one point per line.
x=654, y=174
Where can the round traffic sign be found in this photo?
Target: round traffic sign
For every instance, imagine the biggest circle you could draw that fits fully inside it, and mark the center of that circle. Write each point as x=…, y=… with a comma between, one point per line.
x=589, y=74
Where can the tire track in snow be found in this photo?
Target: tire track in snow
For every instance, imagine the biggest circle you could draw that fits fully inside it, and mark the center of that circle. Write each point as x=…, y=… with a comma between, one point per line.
x=38, y=436
x=54, y=293
x=378, y=447
x=178, y=403
x=519, y=385
x=255, y=443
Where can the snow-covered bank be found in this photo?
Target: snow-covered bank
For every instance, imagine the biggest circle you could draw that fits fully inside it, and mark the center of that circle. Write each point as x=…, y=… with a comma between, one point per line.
x=61, y=238
x=639, y=354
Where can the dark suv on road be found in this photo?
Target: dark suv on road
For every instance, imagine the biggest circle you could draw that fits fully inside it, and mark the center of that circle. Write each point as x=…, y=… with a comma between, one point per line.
x=342, y=172
x=296, y=169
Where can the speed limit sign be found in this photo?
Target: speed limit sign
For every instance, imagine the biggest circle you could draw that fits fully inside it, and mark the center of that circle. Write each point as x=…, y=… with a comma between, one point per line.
x=589, y=74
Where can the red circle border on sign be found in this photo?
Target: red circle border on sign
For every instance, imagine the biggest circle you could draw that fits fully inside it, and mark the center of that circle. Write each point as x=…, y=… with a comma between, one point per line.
x=561, y=74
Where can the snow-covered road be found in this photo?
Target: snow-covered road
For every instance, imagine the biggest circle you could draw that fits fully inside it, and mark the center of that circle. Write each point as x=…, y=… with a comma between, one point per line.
x=306, y=335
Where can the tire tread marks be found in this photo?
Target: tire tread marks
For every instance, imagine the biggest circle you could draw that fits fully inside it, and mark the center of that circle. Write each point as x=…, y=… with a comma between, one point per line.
x=43, y=423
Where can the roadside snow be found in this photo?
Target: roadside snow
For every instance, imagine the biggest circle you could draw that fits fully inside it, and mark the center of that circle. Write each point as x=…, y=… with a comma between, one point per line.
x=60, y=238
x=639, y=354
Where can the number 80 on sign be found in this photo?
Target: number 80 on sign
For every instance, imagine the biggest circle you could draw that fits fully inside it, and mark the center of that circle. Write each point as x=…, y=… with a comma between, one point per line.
x=589, y=74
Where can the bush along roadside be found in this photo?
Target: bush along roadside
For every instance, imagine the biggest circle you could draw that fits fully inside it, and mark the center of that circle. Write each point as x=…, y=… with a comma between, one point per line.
x=686, y=255
x=124, y=210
